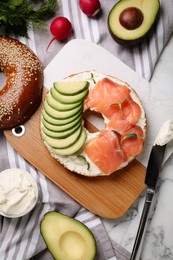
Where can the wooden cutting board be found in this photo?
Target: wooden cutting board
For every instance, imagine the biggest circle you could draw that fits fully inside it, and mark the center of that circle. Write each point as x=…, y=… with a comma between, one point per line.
x=108, y=197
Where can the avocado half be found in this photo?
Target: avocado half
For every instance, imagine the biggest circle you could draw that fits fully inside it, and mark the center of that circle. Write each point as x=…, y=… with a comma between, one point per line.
x=67, y=238
x=129, y=21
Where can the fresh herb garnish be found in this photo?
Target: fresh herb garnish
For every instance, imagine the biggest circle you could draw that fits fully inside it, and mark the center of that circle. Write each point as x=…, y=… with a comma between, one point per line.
x=131, y=136
x=119, y=104
x=82, y=160
x=128, y=136
x=91, y=78
x=17, y=16
x=116, y=132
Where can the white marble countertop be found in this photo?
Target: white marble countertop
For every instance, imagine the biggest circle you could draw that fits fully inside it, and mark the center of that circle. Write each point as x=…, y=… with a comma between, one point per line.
x=158, y=242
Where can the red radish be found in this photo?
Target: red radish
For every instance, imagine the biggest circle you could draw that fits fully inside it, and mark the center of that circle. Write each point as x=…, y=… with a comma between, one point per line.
x=90, y=7
x=60, y=28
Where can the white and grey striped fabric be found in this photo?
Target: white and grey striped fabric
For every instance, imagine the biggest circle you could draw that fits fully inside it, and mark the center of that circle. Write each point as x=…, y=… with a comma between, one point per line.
x=20, y=238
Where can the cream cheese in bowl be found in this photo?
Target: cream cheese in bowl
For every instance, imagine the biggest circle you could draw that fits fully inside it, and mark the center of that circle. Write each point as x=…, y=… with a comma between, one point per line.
x=18, y=192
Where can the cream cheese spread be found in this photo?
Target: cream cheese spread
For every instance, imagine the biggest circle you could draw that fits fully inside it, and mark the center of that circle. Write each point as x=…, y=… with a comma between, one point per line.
x=165, y=134
x=18, y=192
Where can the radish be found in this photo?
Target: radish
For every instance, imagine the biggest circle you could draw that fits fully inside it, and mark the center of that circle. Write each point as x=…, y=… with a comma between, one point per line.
x=61, y=28
x=90, y=7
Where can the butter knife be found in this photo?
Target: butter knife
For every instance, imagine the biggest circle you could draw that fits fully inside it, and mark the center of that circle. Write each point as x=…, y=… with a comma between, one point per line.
x=152, y=173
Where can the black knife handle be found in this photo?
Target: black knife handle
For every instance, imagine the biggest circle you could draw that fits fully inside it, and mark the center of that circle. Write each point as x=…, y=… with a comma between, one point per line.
x=142, y=225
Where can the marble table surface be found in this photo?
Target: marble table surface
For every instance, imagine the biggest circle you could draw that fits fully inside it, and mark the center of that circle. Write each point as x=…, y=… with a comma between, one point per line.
x=158, y=241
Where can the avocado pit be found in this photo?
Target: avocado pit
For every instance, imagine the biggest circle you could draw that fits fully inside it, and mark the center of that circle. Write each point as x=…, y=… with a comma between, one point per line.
x=77, y=245
x=131, y=18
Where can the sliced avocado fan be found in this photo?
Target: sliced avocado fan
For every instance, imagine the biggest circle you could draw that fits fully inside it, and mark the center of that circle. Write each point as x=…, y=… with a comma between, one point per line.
x=62, y=124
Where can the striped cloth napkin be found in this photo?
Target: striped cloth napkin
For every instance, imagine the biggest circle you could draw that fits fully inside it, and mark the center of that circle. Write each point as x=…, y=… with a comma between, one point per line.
x=20, y=238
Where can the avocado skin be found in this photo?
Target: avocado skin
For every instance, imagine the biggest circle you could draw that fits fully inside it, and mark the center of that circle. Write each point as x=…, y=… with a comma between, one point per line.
x=133, y=42
x=92, y=251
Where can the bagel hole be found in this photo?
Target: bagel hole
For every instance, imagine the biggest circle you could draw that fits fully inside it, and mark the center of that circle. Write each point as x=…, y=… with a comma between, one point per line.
x=3, y=79
x=93, y=118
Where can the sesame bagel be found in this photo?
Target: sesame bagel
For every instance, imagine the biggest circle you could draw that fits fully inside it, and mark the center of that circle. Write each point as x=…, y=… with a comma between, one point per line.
x=103, y=152
x=21, y=95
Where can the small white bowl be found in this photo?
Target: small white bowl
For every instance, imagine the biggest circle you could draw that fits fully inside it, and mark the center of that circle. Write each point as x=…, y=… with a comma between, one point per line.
x=14, y=196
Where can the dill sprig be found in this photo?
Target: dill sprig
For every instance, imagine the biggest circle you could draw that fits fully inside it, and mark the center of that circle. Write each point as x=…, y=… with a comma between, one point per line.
x=17, y=16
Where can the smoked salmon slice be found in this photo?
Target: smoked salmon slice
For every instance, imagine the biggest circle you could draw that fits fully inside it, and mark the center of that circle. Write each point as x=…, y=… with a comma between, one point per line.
x=131, y=111
x=105, y=93
x=133, y=146
x=119, y=123
x=128, y=114
x=108, y=98
x=105, y=151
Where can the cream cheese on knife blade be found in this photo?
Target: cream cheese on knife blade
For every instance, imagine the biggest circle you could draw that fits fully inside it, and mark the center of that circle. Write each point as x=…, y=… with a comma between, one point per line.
x=165, y=134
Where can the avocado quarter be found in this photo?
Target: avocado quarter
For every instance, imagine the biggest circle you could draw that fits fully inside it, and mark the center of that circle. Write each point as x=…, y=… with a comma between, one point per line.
x=67, y=238
x=130, y=21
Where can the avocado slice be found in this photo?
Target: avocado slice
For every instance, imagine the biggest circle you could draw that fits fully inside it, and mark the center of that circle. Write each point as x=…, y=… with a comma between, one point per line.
x=63, y=142
x=68, y=99
x=71, y=87
x=61, y=128
x=67, y=238
x=130, y=21
x=59, y=122
x=61, y=114
x=60, y=106
x=74, y=148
